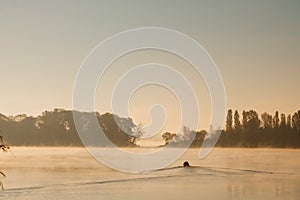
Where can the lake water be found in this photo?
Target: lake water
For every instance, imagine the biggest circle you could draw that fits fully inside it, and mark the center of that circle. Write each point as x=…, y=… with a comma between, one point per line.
x=71, y=173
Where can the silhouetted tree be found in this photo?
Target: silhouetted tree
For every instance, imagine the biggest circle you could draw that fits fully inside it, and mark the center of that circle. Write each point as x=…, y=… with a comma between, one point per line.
x=168, y=137
x=120, y=131
x=137, y=133
x=229, y=121
x=282, y=121
x=266, y=120
x=244, y=119
x=276, y=120
x=265, y=132
x=251, y=125
x=296, y=121
x=237, y=122
x=57, y=128
x=251, y=120
x=199, y=138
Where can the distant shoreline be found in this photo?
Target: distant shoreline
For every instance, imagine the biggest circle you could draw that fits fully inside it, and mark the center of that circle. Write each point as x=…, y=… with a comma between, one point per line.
x=57, y=128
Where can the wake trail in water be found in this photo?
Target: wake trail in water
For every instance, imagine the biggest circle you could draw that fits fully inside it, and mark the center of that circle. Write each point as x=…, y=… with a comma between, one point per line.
x=150, y=178
x=168, y=173
x=216, y=169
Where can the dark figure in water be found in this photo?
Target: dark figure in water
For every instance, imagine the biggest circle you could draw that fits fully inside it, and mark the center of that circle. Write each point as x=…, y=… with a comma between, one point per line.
x=186, y=164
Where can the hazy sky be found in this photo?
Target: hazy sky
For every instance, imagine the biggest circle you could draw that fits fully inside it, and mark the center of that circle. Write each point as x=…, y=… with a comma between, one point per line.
x=255, y=44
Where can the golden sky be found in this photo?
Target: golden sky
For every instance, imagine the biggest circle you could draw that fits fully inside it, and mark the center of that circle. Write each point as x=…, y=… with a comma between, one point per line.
x=255, y=44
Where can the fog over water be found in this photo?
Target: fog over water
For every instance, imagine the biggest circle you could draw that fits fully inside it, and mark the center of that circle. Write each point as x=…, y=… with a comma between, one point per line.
x=227, y=173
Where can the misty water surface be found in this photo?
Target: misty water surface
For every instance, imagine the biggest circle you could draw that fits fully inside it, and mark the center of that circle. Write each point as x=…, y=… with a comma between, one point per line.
x=71, y=173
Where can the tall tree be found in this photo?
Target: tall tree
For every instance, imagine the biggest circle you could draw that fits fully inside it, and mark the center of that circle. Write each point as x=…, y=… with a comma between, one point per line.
x=266, y=120
x=282, y=121
x=276, y=120
x=296, y=121
x=229, y=120
x=251, y=121
x=244, y=119
x=237, y=122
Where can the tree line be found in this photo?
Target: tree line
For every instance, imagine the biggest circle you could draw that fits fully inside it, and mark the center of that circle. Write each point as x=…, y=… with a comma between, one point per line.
x=250, y=130
x=57, y=128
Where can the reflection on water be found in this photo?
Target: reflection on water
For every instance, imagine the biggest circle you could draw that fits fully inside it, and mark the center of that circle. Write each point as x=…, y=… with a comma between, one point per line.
x=71, y=173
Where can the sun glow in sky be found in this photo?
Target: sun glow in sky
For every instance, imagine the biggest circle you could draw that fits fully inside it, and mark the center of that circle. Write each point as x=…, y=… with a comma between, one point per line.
x=255, y=44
